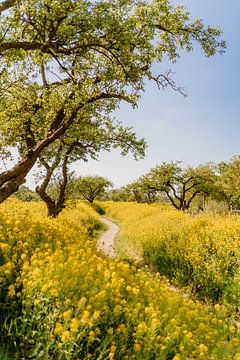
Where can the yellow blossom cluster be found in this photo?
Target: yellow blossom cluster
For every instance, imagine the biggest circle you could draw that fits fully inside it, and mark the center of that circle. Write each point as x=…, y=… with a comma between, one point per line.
x=72, y=302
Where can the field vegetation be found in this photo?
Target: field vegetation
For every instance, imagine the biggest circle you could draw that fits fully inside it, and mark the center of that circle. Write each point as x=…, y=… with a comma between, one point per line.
x=61, y=299
x=199, y=252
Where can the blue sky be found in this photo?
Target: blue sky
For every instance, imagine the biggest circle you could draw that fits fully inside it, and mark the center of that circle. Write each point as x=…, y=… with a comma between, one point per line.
x=204, y=126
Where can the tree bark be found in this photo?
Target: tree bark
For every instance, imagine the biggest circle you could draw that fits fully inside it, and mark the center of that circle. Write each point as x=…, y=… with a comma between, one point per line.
x=54, y=206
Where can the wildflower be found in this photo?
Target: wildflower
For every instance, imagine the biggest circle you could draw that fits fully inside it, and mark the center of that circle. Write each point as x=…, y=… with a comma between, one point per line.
x=11, y=290
x=58, y=329
x=117, y=309
x=96, y=315
x=137, y=347
x=177, y=357
x=65, y=336
x=67, y=314
x=91, y=335
x=203, y=348
x=142, y=328
x=74, y=324
x=110, y=331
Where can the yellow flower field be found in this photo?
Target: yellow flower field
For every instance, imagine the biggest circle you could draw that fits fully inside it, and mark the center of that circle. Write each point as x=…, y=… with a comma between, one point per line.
x=201, y=251
x=64, y=300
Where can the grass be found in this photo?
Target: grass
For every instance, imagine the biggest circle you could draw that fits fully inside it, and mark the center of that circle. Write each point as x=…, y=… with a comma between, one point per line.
x=7, y=352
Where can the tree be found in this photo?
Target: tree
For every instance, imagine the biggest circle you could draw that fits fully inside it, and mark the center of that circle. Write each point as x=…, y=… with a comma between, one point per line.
x=91, y=187
x=64, y=60
x=120, y=194
x=181, y=185
x=230, y=180
x=142, y=191
x=92, y=137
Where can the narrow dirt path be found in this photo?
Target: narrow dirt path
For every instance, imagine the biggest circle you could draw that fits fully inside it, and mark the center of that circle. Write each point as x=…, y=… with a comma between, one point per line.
x=105, y=243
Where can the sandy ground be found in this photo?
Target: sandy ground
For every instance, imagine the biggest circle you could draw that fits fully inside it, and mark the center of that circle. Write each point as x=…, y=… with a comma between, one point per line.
x=106, y=241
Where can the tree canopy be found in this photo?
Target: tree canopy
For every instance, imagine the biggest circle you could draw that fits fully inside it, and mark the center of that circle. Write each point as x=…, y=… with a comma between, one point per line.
x=92, y=187
x=92, y=137
x=230, y=180
x=64, y=60
x=180, y=185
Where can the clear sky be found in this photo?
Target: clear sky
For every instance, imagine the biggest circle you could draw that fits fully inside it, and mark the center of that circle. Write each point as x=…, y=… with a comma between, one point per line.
x=204, y=126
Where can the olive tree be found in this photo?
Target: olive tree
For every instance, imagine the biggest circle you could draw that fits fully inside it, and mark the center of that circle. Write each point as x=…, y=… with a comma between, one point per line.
x=64, y=60
x=96, y=135
x=142, y=191
x=181, y=185
x=91, y=187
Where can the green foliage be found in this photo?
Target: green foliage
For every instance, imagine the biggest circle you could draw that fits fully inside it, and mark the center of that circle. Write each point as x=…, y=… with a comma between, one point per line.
x=180, y=185
x=6, y=352
x=230, y=180
x=25, y=194
x=64, y=62
x=99, y=208
x=91, y=187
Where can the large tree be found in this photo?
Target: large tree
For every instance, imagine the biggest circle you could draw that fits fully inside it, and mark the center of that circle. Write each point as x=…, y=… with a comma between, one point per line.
x=92, y=137
x=92, y=186
x=181, y=185
x=61, y=60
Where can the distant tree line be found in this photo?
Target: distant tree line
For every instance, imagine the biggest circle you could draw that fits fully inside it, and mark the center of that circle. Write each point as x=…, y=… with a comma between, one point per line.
x=185, y=187
x=182, y=187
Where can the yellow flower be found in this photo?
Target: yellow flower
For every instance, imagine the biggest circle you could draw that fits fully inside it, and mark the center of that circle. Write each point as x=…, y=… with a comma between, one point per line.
x=96, y=315
x=137, y=347
x=65, y=336
x=23, y=256
x=113, y=348
x=117, y=309
x=110, y=331
x=58, y=329
x=74, y=325
x=177, y=357
x=142, y=328
x=67, y=314
x=91, y=335
x=11, y=290
x=203, y=348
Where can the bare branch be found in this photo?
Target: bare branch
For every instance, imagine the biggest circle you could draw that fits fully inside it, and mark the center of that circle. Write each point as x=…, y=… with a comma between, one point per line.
x=7, y=4
x=165, y=80
x=43, y=73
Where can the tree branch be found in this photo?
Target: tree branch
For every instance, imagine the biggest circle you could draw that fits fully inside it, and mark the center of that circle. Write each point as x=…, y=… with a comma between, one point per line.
x=7, y=4
x=165, y=80
x=171, y=199
x=191, y=198
x=174, y=190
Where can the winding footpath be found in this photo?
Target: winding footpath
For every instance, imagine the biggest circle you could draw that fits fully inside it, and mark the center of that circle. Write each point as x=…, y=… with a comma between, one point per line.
x=105, y=243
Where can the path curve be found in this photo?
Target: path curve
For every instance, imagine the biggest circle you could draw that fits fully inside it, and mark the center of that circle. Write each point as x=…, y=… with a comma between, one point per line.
x=105, y=243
